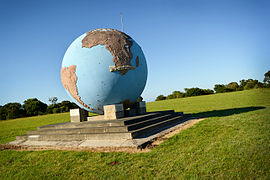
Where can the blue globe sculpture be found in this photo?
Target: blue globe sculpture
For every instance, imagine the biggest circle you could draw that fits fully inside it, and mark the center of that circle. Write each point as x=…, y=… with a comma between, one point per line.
x=103, y=67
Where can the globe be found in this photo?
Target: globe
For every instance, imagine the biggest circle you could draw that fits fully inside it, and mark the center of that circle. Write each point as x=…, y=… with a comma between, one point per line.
x=103, y=67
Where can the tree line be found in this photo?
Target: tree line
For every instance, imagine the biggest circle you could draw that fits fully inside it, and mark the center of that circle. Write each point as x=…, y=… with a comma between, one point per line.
x=34, y=107
x=220, y=88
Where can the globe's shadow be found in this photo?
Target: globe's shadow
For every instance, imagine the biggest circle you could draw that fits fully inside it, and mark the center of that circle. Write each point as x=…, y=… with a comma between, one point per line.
x=226, y=112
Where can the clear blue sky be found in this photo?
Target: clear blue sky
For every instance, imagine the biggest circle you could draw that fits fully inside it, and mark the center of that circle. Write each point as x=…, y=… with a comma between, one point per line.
x=187, y=43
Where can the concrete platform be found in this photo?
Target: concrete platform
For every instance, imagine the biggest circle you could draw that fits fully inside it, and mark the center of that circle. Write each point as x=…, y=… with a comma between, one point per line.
x=133, y=143
x=134, y=132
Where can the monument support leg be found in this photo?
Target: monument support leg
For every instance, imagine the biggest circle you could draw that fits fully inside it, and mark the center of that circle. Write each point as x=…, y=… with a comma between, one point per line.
x=140, y=108
x=114, y=111
x=78, y=115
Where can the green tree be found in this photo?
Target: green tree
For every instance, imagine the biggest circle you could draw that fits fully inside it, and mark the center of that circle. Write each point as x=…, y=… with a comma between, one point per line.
x=2, y=113
x=266, y=79
x=250, y=84
x=259, y=85
x=233, y=86
x=160, y=97
x=11, y=111
x=193, y=92
x=208, y=91
x=243, y=83
x=178, y=94
x=51, y=107
x=65, y=106
x=170, y=97
x=221, y=88
x=34, y=107
x=56, y=110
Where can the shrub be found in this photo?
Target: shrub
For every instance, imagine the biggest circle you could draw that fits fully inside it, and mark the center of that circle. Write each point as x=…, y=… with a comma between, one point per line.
x=65, y=106
x=249, y=85
x=207, y=91
x=56, y=110
x=51, y=107
x=221, y=88
x=160, y=97
x=178, y=94
x=266, y=79
x=170, y=97
x=193, y=92
x=233, y=86
x=259, y=85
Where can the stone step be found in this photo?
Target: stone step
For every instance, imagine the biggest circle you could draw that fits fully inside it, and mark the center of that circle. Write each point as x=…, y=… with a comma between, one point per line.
x=141, y=119
x=84, y=130
x=104, y=129
x=151, y=121
x=75, y=137
x=157, y=127
x=99, y=123
x=147, y=126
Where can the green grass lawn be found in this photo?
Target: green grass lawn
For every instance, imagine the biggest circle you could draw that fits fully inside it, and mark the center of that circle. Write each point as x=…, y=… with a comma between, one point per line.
x=232, y=142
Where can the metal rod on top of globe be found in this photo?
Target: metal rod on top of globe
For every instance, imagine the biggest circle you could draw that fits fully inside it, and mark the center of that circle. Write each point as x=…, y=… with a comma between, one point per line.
x=122, y=22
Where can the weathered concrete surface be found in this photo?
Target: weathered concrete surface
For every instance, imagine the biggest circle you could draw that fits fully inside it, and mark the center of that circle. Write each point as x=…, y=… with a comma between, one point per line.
x=78, y=115
x=114, y=111
x=95, y=118
x=83, y=145
x=141, y=107
x=132, y=132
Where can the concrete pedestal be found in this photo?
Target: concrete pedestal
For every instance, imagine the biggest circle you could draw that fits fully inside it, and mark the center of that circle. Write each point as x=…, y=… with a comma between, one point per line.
x=78, y=115
x=111, y=112
x=114, y=111
x=140, y=107
x=125, y=132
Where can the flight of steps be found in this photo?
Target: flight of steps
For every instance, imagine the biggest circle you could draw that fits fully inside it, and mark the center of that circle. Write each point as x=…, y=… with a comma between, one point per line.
x=125, y=128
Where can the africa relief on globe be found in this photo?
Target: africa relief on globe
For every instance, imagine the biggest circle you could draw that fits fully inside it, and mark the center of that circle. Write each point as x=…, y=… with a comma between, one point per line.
x=120, y=47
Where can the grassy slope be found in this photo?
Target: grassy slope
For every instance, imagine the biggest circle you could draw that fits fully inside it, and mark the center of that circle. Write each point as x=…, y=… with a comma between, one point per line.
x=233, y=141
x=12, y=128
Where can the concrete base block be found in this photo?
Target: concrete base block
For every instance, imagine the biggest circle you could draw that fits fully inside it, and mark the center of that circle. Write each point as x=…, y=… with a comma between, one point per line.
x=78, y=115
x=125, y=132
x=114, y=111
x=140, y=107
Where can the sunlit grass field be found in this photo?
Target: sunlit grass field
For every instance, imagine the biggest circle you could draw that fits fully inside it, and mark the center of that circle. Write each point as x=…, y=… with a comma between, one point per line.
x=232, y=142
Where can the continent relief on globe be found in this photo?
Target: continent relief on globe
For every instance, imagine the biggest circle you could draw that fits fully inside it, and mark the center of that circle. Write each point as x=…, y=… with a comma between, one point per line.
x=69, y=81
x=116, y=42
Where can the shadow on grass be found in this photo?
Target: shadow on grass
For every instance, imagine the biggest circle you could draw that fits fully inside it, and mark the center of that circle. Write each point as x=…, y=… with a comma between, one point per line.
x=226, y=112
